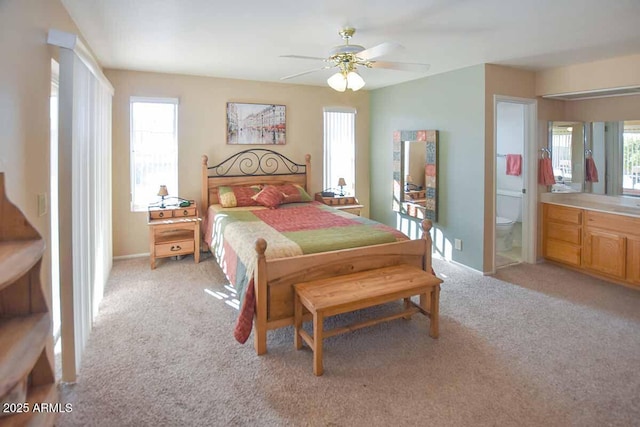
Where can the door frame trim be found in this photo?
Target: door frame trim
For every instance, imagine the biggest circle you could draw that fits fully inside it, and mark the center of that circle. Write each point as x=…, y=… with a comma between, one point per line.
x=530, y=199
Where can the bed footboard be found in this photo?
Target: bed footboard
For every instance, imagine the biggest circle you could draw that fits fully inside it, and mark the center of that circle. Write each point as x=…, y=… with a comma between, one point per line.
x=274, y=279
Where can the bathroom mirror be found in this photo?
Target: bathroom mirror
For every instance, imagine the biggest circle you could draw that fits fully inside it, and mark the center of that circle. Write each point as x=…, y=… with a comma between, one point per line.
x=614, y=148
x=567, y=145
x=415, y=173
x=596, y=157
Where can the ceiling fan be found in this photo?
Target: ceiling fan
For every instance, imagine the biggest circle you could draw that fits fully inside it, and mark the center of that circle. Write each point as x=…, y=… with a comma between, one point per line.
x=348, y=57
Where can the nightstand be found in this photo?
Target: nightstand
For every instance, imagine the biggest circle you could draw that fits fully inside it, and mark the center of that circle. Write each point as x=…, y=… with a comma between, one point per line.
x=344, y=203
x=174, y=231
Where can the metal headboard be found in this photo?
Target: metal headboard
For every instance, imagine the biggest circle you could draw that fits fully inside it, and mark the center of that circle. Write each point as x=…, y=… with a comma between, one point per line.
x=256, y=162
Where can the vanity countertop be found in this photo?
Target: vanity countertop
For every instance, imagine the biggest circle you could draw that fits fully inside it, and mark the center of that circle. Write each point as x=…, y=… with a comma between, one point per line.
x=628, y=206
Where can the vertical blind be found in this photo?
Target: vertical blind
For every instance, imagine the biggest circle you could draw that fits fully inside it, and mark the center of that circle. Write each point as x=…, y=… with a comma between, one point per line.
x=84, y=195
x=339, y=147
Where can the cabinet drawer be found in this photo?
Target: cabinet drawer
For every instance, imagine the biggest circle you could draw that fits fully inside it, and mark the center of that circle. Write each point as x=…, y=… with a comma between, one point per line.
x=172, y=213
x=563, y=232
x=161, y=214
x=633, y=261
x=180, y=247
x=190, y=211
x=620, y=223
x=354, y=211
x=563, y=252
x=563, y=214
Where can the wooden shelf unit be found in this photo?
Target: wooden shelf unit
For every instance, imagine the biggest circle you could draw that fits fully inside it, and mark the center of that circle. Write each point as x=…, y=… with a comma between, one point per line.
x=344, y=203
x=26, y=354
x=174, y=231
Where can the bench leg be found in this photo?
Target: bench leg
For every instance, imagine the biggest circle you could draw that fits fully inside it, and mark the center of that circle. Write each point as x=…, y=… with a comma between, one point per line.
x=407, y=305
x=318, y=321
x=297, y=321
x=434, y=312
x=425, y=301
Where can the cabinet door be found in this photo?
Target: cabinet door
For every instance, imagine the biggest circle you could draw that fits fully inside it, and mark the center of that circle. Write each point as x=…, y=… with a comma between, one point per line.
x=633, y=260
x=605, y=252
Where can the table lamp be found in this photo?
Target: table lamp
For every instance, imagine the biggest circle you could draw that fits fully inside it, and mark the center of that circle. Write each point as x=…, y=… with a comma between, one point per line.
x=163, y=193
x=341, y=184
x=408, y=180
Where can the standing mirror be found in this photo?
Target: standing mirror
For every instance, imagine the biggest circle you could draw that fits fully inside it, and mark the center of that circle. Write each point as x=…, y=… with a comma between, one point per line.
x=415, y=173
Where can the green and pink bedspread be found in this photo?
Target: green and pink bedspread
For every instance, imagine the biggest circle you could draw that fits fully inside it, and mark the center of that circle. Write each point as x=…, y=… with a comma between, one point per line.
x=291, y=230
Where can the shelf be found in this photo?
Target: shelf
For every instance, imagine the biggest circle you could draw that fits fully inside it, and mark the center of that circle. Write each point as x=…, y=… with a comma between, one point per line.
x=23, y=339
x=173, y=236
x=17, y=257
x=47, y=394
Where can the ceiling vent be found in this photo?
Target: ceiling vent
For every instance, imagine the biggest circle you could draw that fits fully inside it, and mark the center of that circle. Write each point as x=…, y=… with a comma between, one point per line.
x=600, y=93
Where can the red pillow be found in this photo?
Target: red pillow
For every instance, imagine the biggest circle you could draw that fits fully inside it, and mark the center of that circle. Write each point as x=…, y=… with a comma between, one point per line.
x=269, y=197
x=230, y=197
x=293, y=193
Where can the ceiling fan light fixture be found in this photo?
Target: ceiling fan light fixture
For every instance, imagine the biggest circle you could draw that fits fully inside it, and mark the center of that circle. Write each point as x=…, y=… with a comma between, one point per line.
x=354, y=81
x=337, y=82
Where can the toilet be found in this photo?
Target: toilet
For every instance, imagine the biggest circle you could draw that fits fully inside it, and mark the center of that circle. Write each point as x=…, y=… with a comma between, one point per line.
x=508, y=212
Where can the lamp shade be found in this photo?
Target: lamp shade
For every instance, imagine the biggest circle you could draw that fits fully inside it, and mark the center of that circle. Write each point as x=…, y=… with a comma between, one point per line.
x=354, y=81
x=341, y=182
x=408, y=179
x=163, y=191
x=337, y=82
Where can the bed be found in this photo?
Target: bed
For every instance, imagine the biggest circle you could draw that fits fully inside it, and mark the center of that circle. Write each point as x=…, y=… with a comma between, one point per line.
x=265, y=251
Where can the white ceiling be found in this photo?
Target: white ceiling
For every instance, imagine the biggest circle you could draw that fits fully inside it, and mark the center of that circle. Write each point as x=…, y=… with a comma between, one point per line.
x=244, y=38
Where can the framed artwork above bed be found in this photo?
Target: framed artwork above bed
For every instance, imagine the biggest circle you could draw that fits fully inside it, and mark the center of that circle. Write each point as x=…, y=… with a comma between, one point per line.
x=262, y=124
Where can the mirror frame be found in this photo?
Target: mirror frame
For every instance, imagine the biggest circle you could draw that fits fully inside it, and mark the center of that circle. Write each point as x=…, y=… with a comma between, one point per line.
x=401, y=204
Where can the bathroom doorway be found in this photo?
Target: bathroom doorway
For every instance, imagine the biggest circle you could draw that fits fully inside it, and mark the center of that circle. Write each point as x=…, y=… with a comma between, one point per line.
x=515, y=146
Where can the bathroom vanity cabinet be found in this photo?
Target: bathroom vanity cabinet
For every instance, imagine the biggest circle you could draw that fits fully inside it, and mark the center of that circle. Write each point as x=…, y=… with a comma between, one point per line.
x=601, y=243
x=562, y=234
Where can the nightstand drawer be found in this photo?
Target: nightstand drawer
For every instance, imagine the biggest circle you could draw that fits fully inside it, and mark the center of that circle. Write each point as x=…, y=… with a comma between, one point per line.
x=190, y=211
x=180, y=247
x=172, y=213
x=352, y=209
x=161, y=214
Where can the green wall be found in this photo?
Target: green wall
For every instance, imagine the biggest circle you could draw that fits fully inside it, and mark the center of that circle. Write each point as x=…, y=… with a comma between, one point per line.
x=454, y=104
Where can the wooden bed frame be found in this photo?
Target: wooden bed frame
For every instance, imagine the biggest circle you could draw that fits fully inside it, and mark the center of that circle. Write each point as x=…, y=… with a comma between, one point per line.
x=274, y=279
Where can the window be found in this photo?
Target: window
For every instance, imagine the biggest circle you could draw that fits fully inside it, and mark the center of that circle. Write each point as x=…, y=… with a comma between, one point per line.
x=154, y=149
x=340, y=148
x=631, y=158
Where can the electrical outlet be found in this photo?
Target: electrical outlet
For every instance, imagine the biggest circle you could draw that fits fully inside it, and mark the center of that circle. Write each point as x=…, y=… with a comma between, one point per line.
x=458, y=244
x=42, y=204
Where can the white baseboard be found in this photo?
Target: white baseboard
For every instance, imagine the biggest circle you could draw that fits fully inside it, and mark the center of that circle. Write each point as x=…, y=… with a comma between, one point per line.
x=116, y=258
x=457, y=263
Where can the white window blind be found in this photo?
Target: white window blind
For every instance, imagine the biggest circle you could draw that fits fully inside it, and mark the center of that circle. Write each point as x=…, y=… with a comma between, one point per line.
x=339, y=148
x=154, y=149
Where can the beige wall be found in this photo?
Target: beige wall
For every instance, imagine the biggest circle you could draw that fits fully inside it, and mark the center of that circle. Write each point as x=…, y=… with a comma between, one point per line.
x=201, y=129
x=25, y=86
x=505, y=81
x=614, y=108
x=609, y=73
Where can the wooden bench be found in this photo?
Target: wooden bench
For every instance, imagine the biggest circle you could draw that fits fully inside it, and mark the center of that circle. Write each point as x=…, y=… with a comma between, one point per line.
x=350, y=292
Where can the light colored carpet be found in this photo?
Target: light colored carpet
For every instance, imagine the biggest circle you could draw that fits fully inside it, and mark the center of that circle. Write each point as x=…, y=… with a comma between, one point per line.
x=536, y=345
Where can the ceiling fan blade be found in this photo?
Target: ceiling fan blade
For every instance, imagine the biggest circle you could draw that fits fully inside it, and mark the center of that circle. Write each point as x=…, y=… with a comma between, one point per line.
x=379, y=50
x=305, y=72
x=303, y=57
x=402, y=66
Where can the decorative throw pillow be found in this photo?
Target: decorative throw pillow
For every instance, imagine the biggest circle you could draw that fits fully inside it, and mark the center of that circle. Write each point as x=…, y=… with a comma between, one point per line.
x=270, y=197
x=293, y=193
x=236, y=196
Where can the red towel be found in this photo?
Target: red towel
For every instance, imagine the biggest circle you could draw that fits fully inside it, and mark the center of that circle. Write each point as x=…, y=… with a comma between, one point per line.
x=545, y=172
x=514, y=164
x=591, y=170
